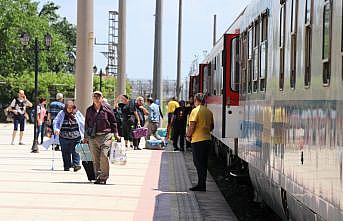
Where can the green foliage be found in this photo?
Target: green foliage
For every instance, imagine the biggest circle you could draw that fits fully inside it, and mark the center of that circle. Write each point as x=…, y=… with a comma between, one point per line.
x=18, y=16
x=49, y=84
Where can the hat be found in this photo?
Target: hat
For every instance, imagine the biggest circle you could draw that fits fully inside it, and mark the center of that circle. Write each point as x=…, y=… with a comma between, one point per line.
x=59, y=96
x=97, y=92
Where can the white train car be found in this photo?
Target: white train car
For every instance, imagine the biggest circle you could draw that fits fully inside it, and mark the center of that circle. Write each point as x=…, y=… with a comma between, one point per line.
x=274, y=82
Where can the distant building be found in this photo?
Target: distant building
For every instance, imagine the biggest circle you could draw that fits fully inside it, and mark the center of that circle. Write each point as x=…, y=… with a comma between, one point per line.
x=143, y=87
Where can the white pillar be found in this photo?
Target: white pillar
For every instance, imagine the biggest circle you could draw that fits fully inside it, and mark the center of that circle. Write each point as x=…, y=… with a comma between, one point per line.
x=121, y=89
x=84, y=55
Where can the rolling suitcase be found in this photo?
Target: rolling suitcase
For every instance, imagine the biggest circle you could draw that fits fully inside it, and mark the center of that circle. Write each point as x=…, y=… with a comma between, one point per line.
x=88, y=165
x=154, y=144
x=87, y=160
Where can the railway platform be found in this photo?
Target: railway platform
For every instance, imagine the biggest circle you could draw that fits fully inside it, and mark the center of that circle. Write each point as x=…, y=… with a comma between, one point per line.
x=153, y=185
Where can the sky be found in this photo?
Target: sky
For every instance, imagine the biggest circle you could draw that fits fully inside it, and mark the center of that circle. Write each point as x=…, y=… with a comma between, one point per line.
x=197, y=31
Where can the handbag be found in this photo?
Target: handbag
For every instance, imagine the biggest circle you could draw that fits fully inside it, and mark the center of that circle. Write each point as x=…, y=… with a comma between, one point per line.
x=140, y=132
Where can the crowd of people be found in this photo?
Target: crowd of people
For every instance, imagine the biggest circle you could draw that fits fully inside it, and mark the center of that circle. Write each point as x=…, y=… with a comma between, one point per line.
x=103, y=124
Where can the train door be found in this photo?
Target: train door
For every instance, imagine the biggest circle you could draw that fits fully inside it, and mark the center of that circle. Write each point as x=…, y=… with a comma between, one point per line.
x=232, y=113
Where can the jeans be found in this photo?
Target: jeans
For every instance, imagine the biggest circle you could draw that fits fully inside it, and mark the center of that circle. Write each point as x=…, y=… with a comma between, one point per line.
x=70, y=156
x=40, y=130
x=200, y=159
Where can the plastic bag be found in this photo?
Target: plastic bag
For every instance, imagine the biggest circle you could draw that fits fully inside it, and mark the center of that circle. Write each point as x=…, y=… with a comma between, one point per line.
x=118, y=153
x=84, y=151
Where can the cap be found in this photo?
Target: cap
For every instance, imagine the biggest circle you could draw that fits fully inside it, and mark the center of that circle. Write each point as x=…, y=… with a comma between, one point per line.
x=59, y=96
x=97, y=92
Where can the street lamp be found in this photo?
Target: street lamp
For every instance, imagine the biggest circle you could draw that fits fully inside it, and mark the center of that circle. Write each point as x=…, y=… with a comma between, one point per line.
x=25, y=39
x=100, y=73
x=95, y=69
x=72, y=59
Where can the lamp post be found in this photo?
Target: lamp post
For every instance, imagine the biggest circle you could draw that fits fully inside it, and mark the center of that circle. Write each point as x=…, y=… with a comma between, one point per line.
x=100, y=73
x=25, y=38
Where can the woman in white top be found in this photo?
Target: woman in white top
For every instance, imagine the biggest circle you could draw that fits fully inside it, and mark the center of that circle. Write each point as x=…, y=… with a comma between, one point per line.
x=18, y=108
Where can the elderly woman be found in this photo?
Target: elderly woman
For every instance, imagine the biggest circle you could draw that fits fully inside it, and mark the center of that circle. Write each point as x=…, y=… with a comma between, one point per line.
x=69, y=126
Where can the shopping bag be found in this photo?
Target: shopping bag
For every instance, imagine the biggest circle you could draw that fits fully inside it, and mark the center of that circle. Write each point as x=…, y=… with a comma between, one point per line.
x=140, y=132
x=84, y=151
x=118, y=153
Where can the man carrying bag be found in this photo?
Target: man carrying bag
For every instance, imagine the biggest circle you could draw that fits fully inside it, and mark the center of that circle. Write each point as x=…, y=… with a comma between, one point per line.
x=100, y=125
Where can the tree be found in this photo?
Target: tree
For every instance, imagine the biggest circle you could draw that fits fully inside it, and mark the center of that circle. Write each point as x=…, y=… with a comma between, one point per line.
x=18, y=16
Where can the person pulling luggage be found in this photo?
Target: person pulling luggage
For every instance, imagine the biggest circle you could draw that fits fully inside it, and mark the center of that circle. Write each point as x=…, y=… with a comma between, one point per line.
x=69, y=126
x=154, y=118
x=100, y=125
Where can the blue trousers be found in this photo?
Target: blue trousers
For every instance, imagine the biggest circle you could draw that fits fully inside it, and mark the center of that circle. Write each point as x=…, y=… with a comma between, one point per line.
x=70, y=156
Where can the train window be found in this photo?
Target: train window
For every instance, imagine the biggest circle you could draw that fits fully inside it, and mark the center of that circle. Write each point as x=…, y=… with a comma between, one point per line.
x=250, y=60
x=263, y=66
x=257, y=33
x=326, y=50
x=308, y=11
x=234, y=81
x=282, y=46
x=294, y=22
x=256, y=69
x=308, y=51
x=264, y=27
x=244, y=51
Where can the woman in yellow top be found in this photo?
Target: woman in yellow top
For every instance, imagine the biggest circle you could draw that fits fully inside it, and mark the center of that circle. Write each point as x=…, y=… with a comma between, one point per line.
x=201, y=124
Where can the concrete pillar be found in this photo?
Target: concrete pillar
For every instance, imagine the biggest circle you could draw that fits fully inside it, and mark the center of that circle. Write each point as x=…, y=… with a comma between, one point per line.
x=157, y=77
x=179, y=53
x=121, y=85
x=84, y=55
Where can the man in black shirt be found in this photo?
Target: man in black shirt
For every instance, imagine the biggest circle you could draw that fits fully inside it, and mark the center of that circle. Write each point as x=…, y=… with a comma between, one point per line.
x=179, y=122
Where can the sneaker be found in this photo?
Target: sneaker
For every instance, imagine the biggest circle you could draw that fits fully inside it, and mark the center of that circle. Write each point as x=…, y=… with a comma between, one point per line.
x=21, y=143
x=77, y=168
x=66, y=169
x=12, y=143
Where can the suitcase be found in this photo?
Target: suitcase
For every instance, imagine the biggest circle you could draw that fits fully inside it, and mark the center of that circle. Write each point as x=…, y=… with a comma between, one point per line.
x=140, y=132
x=154, y=144
x=88, y=166
x=162, y=132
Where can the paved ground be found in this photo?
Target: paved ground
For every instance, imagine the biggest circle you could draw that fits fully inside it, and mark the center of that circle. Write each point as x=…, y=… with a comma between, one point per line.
x=153, y=185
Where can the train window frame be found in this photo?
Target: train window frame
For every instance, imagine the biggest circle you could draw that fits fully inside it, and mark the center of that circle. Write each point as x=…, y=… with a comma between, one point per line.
x=250, y=59
x=308, y=12
x=282, y=20
x=293, y=51
x=263, y=65
x=256, y=71
x=308, y=43
x=244, y=60
x=308, y=56
x=326, y=42
x=234, y=78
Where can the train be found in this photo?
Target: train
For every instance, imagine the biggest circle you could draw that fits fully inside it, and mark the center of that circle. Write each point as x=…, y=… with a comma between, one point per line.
x=274, y=82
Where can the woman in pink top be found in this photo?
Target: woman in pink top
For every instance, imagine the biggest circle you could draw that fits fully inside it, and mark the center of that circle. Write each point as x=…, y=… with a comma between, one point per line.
x=41, y=110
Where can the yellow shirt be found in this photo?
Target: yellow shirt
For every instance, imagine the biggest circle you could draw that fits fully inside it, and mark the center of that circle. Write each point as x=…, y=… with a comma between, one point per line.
x=203, y=118
x=172, y=105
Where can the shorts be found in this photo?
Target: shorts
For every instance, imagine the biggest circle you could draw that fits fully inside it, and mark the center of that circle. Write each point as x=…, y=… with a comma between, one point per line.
x=19, y=119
